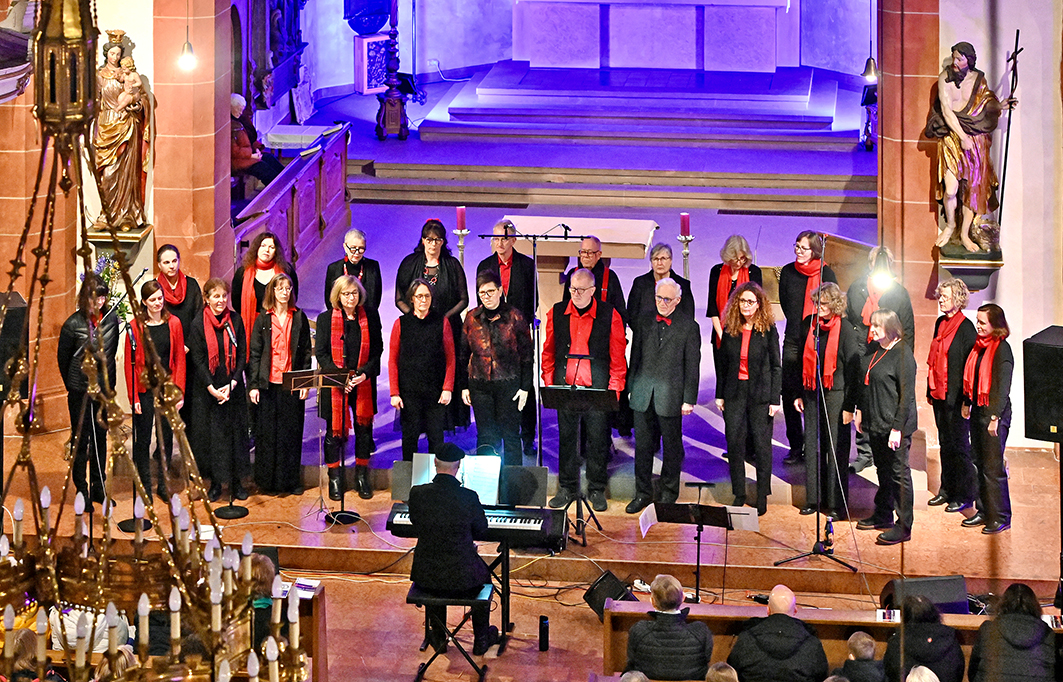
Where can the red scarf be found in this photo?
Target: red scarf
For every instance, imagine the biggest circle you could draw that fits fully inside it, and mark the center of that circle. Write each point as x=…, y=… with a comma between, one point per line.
x=871, y=304
x=173, y=295
x=938, y=360
x=211, y=325
x=811, y=271
x=833, y=327
x=985, y=369
x=248, y=302
x=364, y=407
x=135, y=359
x=723, y=284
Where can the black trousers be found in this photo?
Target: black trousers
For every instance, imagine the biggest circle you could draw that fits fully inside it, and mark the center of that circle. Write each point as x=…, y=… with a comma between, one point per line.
x=792, y=389
x=528, y=426
x=480, y=614
x=497, y=419
x=743, y=420
x=279, y=439
x=651, y=429
x=92, y=448
x=595, y=425
x=827, y=442
x=143, y=425
x=895, y=493
x=230, y=459
x=958, y=476
x=422, y=413
x=994, y=499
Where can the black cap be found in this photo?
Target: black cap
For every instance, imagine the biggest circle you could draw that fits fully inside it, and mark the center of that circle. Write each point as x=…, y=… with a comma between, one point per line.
x=450, y=453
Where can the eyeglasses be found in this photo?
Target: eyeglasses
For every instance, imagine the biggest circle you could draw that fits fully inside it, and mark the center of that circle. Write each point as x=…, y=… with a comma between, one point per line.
x=802, y=249
x=580, y=290
x=283, y=287
x=348, y=294
x=661, y=259
x=484, y=293
x=748, y=301
x=432, y=240
x=588, y=252
x=422, y=297
x=502, y=237
x=665, y=300
x=354, y=249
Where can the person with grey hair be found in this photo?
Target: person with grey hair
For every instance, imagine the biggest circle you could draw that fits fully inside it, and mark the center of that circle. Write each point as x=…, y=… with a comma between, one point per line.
x=663, y=387
x=640, y=300
x=954, y=337
x=666, y=646
x=355, y=264
x=248, y=157
x=607, y=285
x=830, y=374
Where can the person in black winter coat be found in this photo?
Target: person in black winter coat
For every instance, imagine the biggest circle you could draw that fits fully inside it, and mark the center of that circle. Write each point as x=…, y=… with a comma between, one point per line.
x=779, y=648
x=861, y=665
x=666, y=647
x=926, y=642
x=1016, y=645
x=92, y=324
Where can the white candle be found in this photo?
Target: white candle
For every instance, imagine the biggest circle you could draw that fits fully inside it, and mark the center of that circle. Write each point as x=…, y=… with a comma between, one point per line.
x=183, y=524
x=278, y=588
x=42, y=630
x=252, y=667
x=18, y=513
x=5, y=547
x=138, y=520
x=271, y=657
x=79, y=510
x=246, y=549
x=46, y=501
x=112, y=629
x=143, y=609
x=175, y=621
x=224, y=672
x=9, y=632
x=215, y=608
x=82, y=642
x=293, y=617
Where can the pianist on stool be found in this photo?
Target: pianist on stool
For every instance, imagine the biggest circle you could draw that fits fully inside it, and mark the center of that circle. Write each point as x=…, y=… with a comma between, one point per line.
x=447, y=518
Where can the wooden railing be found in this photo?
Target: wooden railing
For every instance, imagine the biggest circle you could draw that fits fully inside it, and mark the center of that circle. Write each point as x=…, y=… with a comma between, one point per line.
x=305, y=200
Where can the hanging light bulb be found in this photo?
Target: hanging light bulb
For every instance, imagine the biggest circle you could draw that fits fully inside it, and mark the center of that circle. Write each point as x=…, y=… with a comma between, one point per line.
x=870, y=70
x=187, y=61
x=870, y=73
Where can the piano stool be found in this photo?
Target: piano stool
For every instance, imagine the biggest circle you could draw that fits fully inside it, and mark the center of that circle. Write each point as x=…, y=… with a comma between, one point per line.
x=422, y=598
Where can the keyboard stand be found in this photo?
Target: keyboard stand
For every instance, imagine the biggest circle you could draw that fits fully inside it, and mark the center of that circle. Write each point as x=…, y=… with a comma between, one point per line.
x=501, y=575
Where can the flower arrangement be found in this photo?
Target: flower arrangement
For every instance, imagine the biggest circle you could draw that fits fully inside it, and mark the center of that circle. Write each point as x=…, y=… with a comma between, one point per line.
x=106, y=268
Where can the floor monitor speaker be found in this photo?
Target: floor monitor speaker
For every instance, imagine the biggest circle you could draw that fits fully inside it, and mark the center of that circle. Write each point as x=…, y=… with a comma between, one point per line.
x=949, y=592
x=607, y=586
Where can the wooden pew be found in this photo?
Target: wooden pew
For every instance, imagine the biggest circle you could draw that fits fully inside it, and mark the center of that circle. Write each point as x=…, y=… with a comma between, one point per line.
x=834, y=627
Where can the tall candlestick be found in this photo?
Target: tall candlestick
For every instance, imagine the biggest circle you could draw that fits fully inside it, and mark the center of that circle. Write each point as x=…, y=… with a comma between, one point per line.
x=46, y=501
x=18, y=513
x=246, y=549
x=278, y=588
x=9, y=632
x=79, y=511
x=215, y=609
x=143, y=609
x=42, y=640
x=175, y=621
x=293, y=617
x=684, y=224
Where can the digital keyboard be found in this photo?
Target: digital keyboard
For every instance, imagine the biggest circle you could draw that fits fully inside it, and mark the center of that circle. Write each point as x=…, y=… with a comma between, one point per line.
x=520, y=527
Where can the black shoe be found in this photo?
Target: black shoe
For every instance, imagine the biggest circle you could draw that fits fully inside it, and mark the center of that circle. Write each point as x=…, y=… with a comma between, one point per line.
x=937, y=500
x=297, y=490
x=871, y=523
x=807, y=510
x=562, y=498
x=996, y=527
x=836, y=514
x=793, y=458
x=335, y=483
x=597, y=500
x=638, y=504
x=214, y=494
x=739, y=501
x=958, y=506
x=97, y=495
x=239, y=492
x=361, y=482
x=482, y=644
x=893, y=536
x=161, y=492
x=762, y=507
x=974, y=521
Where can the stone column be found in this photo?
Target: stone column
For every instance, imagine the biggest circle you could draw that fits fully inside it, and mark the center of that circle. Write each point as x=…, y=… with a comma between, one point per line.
x=191, y=181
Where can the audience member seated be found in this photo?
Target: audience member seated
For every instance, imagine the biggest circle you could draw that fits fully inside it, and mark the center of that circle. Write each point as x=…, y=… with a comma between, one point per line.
x=861, y=665
x=779, y=648
x=1016, y=644
x=921, y=673
x=634, y=676
x=262, y=574
x=666, y=647
x=721, y=672
x=98, y=636
x=124, y=661
x=247, y=155
x=24, y=666
x=926, y=642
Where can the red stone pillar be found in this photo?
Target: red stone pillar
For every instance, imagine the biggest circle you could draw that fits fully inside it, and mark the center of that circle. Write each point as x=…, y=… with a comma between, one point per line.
x=20, y=148
x=909, y=62
x=191, y=180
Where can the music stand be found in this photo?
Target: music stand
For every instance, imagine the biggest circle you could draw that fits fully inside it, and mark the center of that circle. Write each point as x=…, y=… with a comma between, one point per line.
x=700, y=515
x=324, y=380
x=579, y=399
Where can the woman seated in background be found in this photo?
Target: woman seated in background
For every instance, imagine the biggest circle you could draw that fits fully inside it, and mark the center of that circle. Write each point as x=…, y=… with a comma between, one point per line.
x=280, y=342
x=1016, y=644
x=926, y=642
x=666, y=647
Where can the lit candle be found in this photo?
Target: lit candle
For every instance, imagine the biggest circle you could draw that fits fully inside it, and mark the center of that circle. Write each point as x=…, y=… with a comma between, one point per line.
x=175, y=505
x=461, y=219
x=42, y=630
x=684, y=224
x=175, y=621
x=271, y=657
x=112, y=629
x=143, y=609
x=18, y=513
x=252, y=667
x=79, y=511
x=278, y=589
x=224, y=673
x=138, y=520
x=82, y=643
x=215, y=607
x=246, y=549
x=293, y=617
x=183, y=527
x=9, y=632
x=46, y=501
x=230, y=561
x=5, y=547
x=208, y=553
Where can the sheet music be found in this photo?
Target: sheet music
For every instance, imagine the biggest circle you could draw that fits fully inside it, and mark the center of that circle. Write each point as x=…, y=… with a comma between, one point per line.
x=481, y=473
x=648, y=519
x=743, y=518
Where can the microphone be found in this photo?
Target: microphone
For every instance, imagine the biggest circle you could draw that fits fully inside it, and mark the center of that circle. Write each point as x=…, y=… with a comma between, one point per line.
x=566, y=228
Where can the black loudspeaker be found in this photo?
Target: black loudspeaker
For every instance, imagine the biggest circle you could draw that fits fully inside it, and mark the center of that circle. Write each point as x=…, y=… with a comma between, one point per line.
x=607, y=586
x=523, y=486
x=949, y=592
x=1042, y=360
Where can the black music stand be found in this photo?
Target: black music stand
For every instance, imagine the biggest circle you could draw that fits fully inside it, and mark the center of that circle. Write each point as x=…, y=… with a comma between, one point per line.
x=579, y=399
x=322, y=380
x=700, y=515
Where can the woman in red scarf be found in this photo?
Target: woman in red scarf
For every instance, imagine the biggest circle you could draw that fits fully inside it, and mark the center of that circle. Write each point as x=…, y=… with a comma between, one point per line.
x=348, y=338
x=830, y=360
x=736, y=269
x=987, y=403
x=168, y=339
x=797, y=281
x=954, y=337
x=280, y=342
x=263, y=260
x=747, y=388
x=218, y=350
